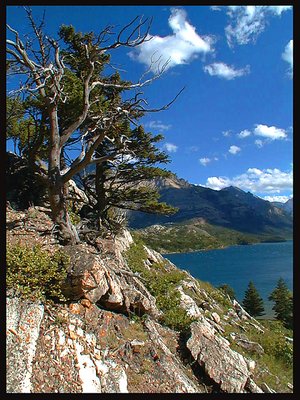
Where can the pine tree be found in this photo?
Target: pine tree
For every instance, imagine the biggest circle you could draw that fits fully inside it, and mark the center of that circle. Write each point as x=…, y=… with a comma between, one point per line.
x=252, y=302
x=127, y=183
x=283, y=306
x=65, y=85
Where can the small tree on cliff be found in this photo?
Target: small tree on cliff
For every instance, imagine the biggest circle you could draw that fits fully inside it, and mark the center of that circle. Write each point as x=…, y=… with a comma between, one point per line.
x=127, y=182
x=64, y=83
x=283, y=303
x=252, y=302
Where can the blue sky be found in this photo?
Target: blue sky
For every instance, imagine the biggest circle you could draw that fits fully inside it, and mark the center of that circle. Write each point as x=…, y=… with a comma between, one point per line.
x=233, y=123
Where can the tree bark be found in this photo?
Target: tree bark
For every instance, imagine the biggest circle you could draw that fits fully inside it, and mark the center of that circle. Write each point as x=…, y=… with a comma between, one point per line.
x=56, y=187
x=100, y=193
x=57, y=197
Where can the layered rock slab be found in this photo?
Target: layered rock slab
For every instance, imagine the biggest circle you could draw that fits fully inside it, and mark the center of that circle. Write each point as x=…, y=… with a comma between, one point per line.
x=226, y=367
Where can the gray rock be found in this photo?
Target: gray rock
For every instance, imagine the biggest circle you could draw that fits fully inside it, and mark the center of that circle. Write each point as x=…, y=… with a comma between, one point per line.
x=23, y=325
x=249, y=345
x=170, y=363
x=226, y=367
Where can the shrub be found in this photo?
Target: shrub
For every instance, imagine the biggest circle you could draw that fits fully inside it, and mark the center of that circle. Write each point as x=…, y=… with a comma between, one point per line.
x=228, y=290
x=162, y=285
x=35, y=273
x=135, y=256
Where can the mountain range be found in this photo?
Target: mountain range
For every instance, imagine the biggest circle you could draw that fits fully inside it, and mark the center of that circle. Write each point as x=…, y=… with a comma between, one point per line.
x=230, y=208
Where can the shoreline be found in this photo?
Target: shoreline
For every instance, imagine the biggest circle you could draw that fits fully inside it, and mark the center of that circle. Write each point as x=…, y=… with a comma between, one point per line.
x=224, y=247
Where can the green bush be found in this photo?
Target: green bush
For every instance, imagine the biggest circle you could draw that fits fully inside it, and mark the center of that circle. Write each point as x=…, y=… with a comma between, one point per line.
x=135, y=256
x=162, y=285
x=275, y=343
x=35, y=273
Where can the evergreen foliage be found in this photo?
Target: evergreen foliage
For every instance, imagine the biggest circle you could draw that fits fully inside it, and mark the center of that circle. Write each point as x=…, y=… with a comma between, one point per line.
x=69, y=99
x=283, y=307
x=35, y=273
x=252, y=302
x=125, y=182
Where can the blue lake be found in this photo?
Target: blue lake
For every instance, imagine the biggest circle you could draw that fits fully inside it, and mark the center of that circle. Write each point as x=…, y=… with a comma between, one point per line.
x=263, y=263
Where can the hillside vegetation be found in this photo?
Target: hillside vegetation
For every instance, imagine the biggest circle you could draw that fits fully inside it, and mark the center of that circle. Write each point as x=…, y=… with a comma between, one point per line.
x=195, y=235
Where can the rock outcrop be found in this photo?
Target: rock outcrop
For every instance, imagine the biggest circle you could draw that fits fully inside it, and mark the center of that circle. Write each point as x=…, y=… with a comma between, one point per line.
x=109, y=337
x=226, y=367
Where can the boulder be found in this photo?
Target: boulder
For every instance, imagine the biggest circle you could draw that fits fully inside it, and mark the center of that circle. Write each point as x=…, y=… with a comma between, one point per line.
x=188, y=304
x=226, y=367
x=99, y=279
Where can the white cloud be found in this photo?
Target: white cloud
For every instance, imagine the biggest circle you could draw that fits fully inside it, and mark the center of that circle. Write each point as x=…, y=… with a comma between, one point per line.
x=280, y=199
x=170, y=147
x=234, y=149
x=158, y=125
x=204, y=161
x=243, y=134
x=278, y=10
x=225, y=71
x=287, y=55
x=215, y=8
x=181, y=47
x=226, y=133
x=270, y=132
x=217, y=183
x=255, y=180
x=248, y=22
x=259, y=143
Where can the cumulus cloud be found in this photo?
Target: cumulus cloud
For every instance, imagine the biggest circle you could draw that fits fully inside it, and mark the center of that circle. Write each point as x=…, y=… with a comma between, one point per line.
x=248, y=22
x=256, y=181
x=158, y=125
x=222, y=70
x=181, y=47
x=270, y=132
x=226, y=133
x=280, y=199
x=234, y=149
x=170, y=147
x=243, y=134
x=287, y=55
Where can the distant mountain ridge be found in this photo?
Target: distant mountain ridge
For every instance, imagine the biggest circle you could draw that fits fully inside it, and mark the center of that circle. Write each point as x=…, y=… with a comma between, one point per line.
x=287, y=206
x=230, y=207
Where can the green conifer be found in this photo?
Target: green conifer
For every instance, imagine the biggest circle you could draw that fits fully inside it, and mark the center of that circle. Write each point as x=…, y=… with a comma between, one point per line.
x=283, y=306
x=252, y=302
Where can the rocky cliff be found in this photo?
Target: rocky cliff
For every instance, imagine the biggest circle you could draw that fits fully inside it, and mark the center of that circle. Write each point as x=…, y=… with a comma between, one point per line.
x=112, y=334
x=230, y=208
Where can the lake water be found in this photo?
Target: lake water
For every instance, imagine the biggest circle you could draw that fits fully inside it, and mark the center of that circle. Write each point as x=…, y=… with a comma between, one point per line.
x=263, y=263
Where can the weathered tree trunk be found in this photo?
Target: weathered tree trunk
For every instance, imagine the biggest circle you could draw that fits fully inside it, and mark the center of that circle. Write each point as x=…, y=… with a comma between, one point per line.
x=56, y=188
x=57, y=197
x=100, y=193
